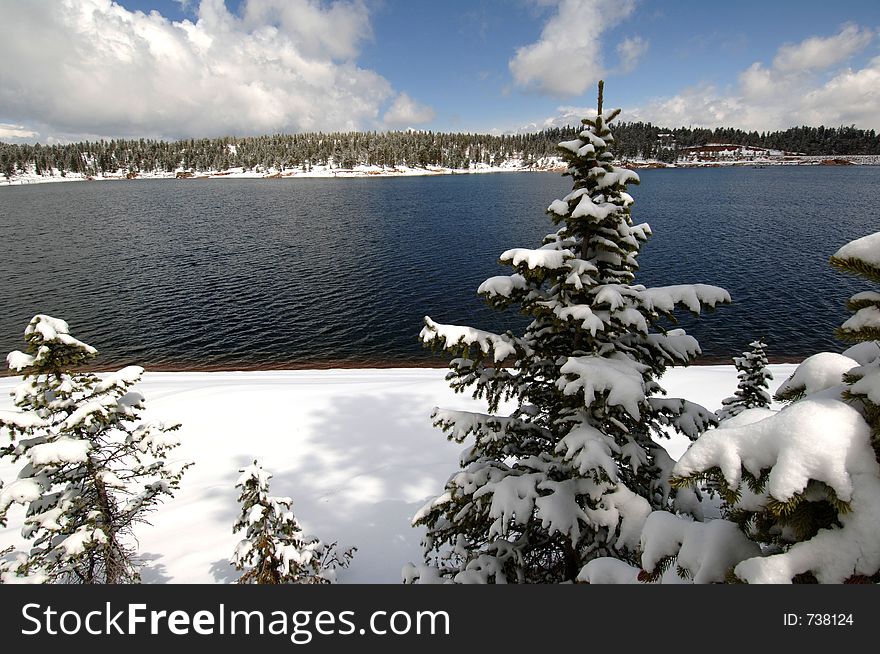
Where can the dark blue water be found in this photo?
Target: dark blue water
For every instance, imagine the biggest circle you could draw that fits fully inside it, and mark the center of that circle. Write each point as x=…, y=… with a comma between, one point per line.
x=313, y=272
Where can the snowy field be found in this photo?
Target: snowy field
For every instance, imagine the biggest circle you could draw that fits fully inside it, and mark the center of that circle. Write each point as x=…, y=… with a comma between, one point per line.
x=354, y=448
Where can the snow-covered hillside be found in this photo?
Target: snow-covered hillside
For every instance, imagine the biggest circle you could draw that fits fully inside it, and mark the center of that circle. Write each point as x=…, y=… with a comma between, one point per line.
x=354, y=448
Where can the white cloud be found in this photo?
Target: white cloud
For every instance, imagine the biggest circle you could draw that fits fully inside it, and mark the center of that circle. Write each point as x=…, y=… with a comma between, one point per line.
x=820, y=53
x=567, y=59
x=405, y=112
x=93, y=67
x=630, y=51
x=805, y=85
x=335, y=31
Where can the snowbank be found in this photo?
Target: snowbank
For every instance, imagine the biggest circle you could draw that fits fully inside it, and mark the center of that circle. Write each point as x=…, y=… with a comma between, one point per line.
x=355, y=450
x=362, y=170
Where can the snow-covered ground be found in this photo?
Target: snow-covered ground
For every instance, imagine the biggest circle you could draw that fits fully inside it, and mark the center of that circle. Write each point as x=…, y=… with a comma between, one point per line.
x=354, y=448
x=510, y=165
x=548, y=164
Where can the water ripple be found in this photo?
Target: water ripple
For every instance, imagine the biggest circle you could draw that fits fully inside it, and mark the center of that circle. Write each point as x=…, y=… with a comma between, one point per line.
x=264, y=273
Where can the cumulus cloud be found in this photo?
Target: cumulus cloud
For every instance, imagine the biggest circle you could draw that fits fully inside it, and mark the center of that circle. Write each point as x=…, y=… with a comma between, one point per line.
x=405, y=112
x=806, y=84
x=93, y=67
x=567, y=58
x=820, y=53
x=335, y=31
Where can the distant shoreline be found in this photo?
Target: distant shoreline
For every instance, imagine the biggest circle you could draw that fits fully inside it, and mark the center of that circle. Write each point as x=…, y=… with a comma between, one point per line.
x=403, y=364
x=514, y=166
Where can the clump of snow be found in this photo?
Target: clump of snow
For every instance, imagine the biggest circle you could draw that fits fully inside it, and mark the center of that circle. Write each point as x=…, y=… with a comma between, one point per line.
x=540, y=258
x=704, y=551
x=864, y=318
x=747, y=417
x=608, y=571
x=620, y=378
x=558, y=207
x=864, y=352
x=502, y=285
x=422, y=574
x=814, y=438
x=868, y=383
x=865, y=249
x=60, y=451
x=816, y=373
x=691, y=296
x=598, y=211
x=51, y=329
x=19, y=491
x=17, y=361
x=588, y=448
x=120, y=379
x=449, y=335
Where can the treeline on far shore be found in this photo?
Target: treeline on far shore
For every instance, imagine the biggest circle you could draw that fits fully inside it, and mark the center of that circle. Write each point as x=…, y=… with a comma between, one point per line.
x=410, y=148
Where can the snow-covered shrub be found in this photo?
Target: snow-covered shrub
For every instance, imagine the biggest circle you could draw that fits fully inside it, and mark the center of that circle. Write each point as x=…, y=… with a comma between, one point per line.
x=274, y=549
x=802, y=484
x=752, y=391
x=572, y=472
x=90, y=470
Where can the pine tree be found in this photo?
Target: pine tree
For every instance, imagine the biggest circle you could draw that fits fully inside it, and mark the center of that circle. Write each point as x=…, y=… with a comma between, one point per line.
x=753, y=389
x=803, y=485
x=274, y=550
x=862, y=258
x=572, y=472
x=91, y=471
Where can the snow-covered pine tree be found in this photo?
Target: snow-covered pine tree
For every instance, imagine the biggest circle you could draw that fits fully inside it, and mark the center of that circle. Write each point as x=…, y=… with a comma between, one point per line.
x=274, y=549
x=571, y=473
x=753, y=389
x=862, y=258
x=802, y=484
x=91, y=470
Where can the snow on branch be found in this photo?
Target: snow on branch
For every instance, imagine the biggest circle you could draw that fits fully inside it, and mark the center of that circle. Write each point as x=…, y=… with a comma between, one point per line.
x=451, y=337
x=18, y=361
x=606, y=570
x=704, y=551
x=581, y=313
x=460, y=424
x=502, y=285
x=816, y=373
x=589, y=449
x=865, y=249
x=54, y=330
x=592, y=375
x=814, y=439
x=540, y=258
x=675, y=346
x=688, y=418
x=692, y=296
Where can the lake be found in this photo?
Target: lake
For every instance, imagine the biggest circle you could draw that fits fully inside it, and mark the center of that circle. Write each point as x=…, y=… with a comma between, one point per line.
x=178, y=274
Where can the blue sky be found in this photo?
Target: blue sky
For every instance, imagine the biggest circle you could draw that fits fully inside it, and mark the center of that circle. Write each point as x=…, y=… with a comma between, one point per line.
x=92, y=68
